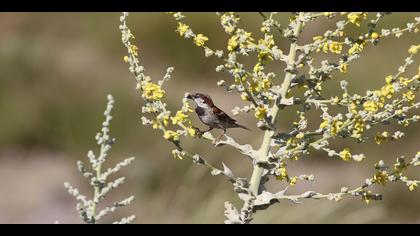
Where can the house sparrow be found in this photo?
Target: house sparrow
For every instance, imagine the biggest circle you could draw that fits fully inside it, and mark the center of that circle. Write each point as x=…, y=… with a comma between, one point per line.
x=211, y=115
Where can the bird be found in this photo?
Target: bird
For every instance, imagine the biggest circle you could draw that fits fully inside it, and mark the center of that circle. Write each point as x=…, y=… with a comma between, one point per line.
x=211, y=115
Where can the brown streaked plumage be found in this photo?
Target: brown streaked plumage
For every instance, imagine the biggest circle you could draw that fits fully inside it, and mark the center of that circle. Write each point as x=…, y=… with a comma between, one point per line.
x=211, y=115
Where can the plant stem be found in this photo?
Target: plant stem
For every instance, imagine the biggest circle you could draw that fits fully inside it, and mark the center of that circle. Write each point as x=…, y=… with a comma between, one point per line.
x=98, y=185
x=95, y=195
x=265, y=146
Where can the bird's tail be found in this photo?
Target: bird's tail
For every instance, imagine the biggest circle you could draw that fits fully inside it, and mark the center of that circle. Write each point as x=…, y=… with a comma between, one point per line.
x=243, y=127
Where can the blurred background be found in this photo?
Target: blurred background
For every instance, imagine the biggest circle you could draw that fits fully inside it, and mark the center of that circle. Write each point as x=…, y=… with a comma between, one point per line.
x=57, y=68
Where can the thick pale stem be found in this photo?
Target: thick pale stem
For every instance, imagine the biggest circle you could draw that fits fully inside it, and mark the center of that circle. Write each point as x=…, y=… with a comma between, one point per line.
x=265, y=146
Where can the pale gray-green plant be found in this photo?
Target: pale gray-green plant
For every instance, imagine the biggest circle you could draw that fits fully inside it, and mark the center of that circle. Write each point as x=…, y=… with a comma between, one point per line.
x=300, y=85
x=99, y=178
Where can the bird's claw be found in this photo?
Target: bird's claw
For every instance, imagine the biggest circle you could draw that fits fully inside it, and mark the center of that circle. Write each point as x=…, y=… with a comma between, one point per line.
x=217, y=143
x=199, y=133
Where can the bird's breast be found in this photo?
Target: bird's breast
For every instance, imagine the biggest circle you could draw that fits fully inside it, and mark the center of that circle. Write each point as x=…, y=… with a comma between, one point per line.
x=205, y=116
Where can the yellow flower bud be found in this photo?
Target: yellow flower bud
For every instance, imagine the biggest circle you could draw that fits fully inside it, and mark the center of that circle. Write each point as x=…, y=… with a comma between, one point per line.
x=374, y=35
x=345, y=154
x=412, y=186
x=414, y=49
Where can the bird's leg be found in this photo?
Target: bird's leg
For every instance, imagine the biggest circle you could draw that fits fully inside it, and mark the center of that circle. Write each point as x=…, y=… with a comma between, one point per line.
x=200, y=133
x=220, y=136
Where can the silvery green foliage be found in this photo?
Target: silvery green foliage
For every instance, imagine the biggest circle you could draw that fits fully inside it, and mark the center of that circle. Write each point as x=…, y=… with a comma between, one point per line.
x=267, y=93
x=98, y=179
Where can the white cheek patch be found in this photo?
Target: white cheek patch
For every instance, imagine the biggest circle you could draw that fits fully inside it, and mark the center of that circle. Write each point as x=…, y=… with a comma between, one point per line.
x=200, y=102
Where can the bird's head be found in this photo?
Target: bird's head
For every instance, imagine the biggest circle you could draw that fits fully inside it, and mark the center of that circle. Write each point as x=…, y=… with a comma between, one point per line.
x=202, y=100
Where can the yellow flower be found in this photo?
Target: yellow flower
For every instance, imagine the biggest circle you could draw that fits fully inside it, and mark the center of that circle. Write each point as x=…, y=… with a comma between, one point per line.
x=381, y=177
x=282, y=174
x=267, y=41
x=186, y=107
x=165, y=120
x=177, y=154
x=356, y=17
x=133, y=49
x=291, y=142
x=182, y=28
x=389, y=79
x=345, y=154
x=244, y=97
x=387, y=90
x=335, y=47
x=409, y=96
x=343, y=67
x=156, y=125
x=379, y=138
x=374, y=35
x=179, y=117
x=324, y=124
x=404, y=81
x=359, y=128
x=171, y=135
x=300, y=135
x=126, y=58
x=192, y=131
x=335, y=127
x=200, y=39
x=412, y=186
x=293, y=181
x=414, y=49
x=260, y=113
x=335, y=100
x=265, y=84
x=325, y=47
x=253, y=87
x=370, y=106
x=357, y=48
x=258, y=67
x=153, y=91
x=232, y=44
x=339, y=33
x=367, y=197
x=353, y=108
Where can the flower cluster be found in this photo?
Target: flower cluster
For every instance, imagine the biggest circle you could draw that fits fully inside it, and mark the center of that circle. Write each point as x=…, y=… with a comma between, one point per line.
x=153, y=91
x=301, y=85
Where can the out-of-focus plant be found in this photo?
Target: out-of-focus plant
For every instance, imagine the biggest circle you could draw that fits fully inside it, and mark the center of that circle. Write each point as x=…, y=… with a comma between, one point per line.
x=98, y=179
x=299, y=85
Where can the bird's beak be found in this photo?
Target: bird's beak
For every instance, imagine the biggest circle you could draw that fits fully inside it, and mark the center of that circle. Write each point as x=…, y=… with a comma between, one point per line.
x=189, y=96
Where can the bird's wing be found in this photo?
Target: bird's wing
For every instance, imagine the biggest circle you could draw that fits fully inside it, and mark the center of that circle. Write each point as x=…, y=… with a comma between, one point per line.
x=222, y=115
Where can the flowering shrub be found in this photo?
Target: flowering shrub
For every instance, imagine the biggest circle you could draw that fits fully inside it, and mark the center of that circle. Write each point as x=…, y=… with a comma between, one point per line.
x=268, y=93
